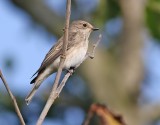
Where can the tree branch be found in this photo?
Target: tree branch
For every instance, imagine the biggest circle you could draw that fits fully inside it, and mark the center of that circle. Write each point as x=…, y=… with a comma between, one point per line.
x=13, y=99
x=62, y=84
x=54, y=94
x=92, y=54
x=88, y=55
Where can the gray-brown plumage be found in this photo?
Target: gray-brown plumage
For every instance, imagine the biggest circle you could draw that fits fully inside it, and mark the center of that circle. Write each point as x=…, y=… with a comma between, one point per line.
x=79, y=32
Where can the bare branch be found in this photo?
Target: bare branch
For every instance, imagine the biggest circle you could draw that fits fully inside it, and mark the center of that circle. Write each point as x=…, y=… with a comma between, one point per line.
x=58, y=90
x=91, y=55
x=62, y=84
x=88, y=55
x=53, y=94
x=13, y=99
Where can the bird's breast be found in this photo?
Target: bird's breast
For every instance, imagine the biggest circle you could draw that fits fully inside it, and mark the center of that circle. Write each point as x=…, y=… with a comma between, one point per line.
x=75, y=55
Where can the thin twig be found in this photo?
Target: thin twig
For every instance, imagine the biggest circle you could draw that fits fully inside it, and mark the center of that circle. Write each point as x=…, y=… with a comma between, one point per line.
x=13, y=99
x=62, y=84
x=53, y=94
x=88, y=55
x=92, y=54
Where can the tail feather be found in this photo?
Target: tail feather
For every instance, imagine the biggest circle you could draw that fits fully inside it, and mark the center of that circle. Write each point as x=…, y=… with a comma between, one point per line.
x=33, y=80
x=37, y=82
x=36, y=85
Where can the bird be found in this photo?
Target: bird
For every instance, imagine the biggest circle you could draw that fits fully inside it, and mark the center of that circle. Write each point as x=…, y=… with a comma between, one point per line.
x=78, y=34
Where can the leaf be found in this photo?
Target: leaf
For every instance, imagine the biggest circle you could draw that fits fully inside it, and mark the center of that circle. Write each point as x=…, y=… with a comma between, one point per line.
x=106, y=116
x=106, y=10
x=153, y=17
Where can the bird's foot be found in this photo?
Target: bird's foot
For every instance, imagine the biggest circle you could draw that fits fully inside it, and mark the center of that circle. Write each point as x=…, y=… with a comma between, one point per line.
x=71, y=70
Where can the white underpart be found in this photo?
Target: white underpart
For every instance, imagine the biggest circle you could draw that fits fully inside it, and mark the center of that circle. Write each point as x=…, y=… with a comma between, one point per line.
x=74, y=57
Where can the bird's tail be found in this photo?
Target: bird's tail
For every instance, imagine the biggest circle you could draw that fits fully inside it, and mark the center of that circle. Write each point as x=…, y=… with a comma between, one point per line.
x=37, y=83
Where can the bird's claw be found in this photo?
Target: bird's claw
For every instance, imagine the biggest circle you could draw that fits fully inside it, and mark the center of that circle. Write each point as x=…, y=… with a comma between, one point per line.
x=71, y=71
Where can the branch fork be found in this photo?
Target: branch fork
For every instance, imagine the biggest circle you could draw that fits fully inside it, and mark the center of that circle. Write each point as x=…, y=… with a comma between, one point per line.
x=55, y=93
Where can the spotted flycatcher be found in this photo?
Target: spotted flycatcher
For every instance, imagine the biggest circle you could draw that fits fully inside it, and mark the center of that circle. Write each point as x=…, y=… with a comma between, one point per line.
x=79, y=32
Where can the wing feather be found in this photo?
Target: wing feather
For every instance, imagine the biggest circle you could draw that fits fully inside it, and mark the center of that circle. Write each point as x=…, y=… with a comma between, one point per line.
x=56, y=51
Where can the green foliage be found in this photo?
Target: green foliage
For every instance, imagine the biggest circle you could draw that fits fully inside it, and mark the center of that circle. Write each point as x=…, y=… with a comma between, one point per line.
x=113, y=8
x=106, y=10
x=153, y=17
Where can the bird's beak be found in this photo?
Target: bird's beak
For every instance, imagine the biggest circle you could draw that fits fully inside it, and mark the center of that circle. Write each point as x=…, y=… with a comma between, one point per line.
x=94, y=29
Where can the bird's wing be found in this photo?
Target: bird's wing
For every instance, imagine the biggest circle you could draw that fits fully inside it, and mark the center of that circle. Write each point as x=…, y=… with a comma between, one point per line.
x=55, y=52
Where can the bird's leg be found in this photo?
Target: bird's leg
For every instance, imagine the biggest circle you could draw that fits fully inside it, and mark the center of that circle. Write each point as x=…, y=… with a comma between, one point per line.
x=71, y=70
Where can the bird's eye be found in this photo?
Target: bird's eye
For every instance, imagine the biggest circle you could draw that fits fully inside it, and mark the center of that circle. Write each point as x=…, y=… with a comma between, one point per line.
x=84, y=25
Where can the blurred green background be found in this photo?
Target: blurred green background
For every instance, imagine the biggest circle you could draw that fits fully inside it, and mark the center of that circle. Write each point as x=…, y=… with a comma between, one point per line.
x=124, y=75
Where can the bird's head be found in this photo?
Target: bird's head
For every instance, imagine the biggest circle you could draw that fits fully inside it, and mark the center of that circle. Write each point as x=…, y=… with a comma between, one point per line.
x=82, y=26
